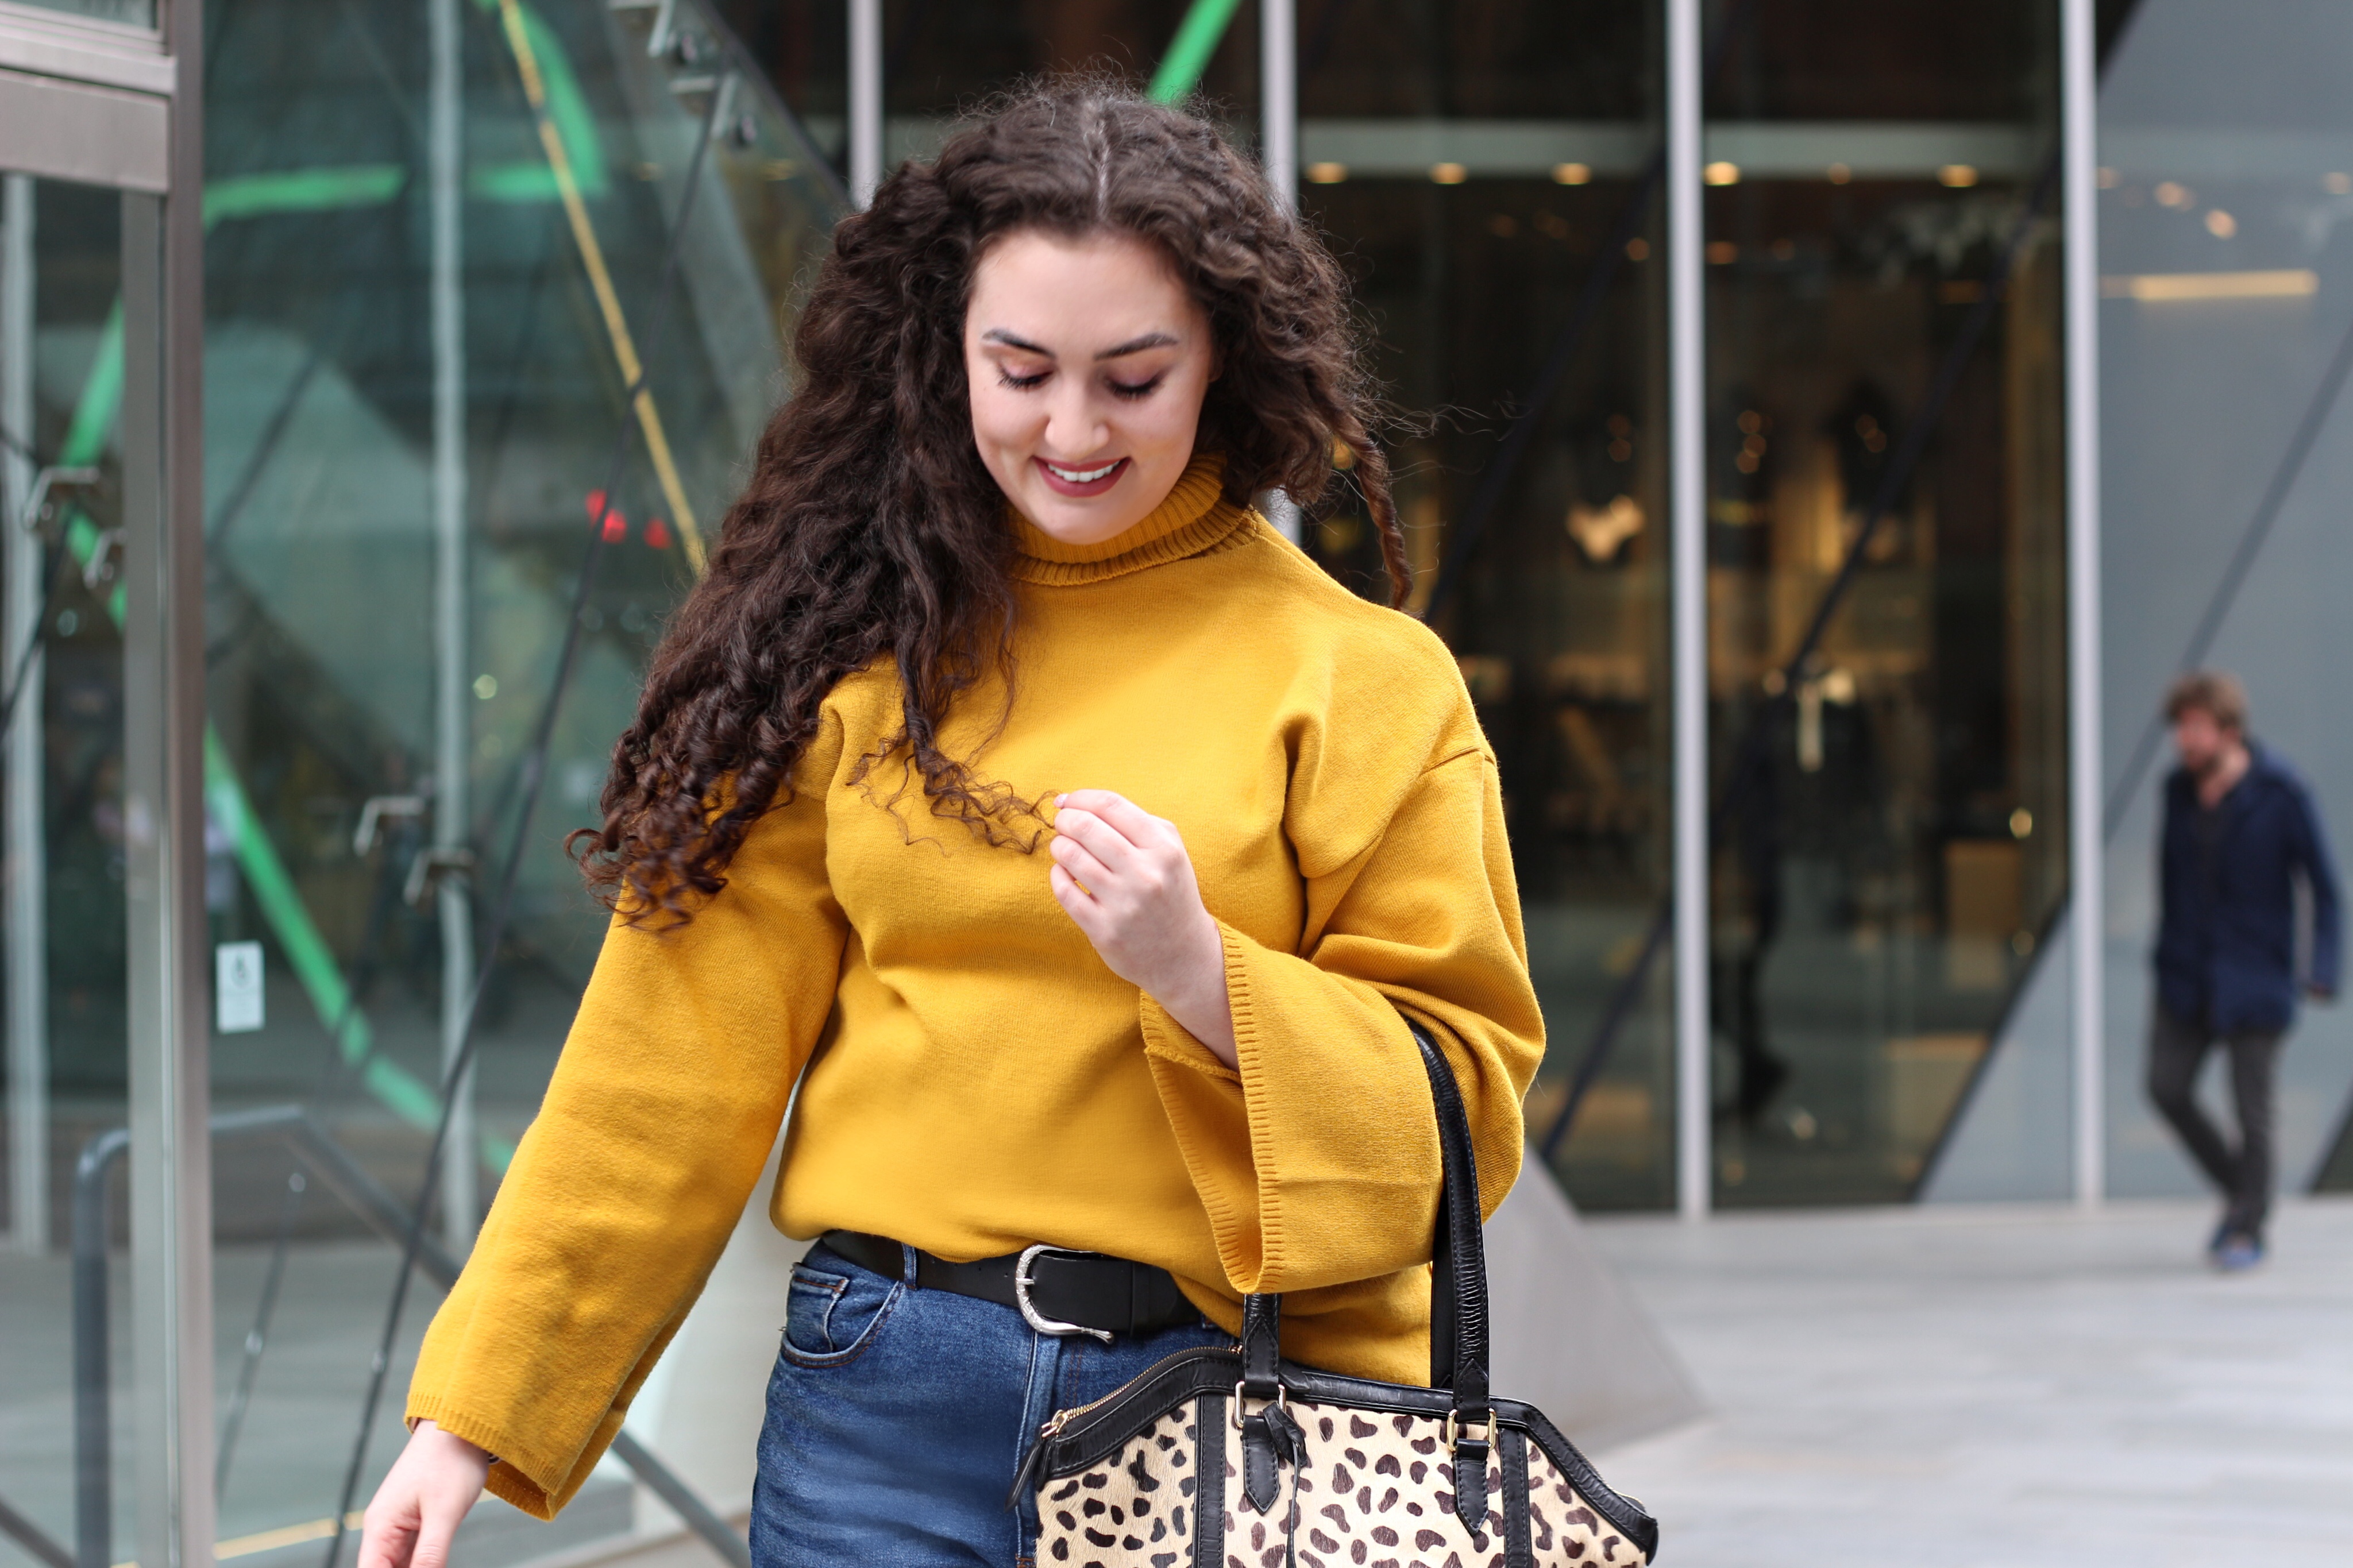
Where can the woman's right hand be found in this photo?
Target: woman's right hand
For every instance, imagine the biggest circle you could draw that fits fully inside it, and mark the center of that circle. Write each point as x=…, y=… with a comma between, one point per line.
x=424, y=1497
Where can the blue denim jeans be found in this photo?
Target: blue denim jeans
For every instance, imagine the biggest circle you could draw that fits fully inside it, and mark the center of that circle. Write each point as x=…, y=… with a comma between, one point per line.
x=897, y=1418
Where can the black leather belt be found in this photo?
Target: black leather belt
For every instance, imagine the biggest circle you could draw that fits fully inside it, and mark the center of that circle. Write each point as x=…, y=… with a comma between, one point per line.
x=1056, y=1291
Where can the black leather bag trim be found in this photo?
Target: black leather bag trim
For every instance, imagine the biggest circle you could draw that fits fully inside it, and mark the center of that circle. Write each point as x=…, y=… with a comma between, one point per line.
x=1209, y=1483
x=1517, y=1551
x=1629, y=1517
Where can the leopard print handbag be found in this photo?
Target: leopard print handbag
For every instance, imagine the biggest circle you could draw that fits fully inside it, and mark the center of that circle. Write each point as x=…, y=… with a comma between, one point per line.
x=1232, y=1458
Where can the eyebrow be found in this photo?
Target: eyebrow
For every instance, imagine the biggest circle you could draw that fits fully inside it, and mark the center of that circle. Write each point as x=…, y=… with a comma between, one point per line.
x=1119, y=351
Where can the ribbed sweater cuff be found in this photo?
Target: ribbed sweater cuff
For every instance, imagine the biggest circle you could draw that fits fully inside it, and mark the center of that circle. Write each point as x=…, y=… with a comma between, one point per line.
x=506, y=1481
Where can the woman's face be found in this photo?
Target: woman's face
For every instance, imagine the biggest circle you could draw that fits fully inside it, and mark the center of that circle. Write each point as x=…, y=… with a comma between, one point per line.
x=1087, y=361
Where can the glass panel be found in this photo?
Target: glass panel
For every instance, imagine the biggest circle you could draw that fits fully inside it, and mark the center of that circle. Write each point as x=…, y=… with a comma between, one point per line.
x=939, y=60
x=1481, y=172
x=357, y=843
x=60, y=655
x=2228, y=175
x=132, y=13
x=1891, y=846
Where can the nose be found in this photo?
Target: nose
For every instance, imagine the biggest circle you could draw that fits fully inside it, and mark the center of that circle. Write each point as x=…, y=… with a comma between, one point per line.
x=1075, y=428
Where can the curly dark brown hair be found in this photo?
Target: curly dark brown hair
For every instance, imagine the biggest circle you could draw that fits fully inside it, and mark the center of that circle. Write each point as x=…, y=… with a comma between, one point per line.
x=871, y=528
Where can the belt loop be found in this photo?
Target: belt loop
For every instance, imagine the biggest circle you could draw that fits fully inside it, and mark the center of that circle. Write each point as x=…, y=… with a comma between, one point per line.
x=907, y=1263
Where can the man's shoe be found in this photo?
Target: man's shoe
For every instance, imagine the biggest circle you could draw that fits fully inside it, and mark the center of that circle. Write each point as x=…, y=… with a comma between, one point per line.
x=2237, y=1253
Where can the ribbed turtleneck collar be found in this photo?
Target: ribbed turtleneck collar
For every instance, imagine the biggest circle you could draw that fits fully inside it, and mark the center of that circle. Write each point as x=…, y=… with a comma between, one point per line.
x=1191, y=518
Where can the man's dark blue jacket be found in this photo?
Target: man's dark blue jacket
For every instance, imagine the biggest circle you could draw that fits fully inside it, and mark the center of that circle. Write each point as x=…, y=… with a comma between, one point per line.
x=2226, y=942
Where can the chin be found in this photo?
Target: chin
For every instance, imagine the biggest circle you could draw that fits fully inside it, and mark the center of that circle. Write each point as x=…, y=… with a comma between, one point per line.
x=1082, y=521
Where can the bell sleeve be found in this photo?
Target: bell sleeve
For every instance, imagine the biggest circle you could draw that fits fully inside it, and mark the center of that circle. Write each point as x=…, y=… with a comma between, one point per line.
x=662, y=1109
x=1317, y=1157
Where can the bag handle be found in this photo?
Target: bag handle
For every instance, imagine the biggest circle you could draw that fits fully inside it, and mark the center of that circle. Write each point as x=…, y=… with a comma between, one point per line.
x=1458, y=1287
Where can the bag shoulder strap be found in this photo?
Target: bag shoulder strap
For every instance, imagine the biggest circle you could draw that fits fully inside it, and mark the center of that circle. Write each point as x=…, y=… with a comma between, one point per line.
x=1458, y=1294
x=1261, y=1346
x=1458, y=1287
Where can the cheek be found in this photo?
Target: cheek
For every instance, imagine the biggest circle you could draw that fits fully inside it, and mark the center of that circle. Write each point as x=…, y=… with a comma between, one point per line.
x=1172, y=421
x=999, y=418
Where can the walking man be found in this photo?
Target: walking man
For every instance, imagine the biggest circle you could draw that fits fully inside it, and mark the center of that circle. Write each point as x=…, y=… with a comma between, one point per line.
x=2239, y=828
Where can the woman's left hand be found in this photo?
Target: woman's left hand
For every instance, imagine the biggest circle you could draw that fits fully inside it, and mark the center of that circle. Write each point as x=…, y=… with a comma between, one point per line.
x=1124, y=875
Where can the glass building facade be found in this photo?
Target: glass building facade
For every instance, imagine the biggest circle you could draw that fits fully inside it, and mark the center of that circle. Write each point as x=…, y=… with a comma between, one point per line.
x=373, y=374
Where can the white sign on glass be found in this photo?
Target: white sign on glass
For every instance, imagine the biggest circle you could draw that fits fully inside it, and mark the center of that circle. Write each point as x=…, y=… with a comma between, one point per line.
x=237, y=986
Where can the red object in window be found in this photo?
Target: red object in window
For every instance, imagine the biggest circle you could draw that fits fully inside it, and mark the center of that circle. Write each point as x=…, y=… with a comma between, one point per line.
x=658, y=534
x=617, y=527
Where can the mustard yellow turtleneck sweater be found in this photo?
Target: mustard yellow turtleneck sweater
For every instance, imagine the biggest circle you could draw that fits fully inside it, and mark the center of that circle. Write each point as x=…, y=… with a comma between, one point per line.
x=972, y=1078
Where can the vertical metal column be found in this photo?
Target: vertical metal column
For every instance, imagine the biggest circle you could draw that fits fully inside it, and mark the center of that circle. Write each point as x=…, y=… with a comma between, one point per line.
x=460, y=1194
x=1278, y=53
x=163, y=835
x=1687, y=599
x=26, y=847
x=2086, y=843
x=865, y=100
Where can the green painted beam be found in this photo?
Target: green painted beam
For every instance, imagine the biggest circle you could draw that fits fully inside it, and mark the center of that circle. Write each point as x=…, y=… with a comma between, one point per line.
x=302, y=189
x=1197, y=37
x=575, y=122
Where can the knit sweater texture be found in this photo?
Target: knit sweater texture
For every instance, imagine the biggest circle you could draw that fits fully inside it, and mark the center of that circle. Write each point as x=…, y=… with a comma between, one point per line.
x=972, y=1077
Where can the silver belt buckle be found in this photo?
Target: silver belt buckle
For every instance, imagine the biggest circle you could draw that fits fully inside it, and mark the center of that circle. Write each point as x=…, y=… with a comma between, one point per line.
x=1029, y=1313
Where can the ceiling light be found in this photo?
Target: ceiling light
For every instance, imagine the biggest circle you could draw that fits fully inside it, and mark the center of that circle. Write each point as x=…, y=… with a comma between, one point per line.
x=1326, y=174
x=1722, y=252
x=2338, y=185
x=2108, y=181
x=2221, y=225
x=1638, y=250
x=1721, y=173
x=1956, y=176
x=2167, y=288
x=2172, y=194
x=1571, y=174
x=1449, y=173
x=1840, y=173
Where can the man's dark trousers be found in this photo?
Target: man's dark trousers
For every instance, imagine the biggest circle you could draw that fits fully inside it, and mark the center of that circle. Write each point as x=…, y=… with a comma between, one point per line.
x=2176, y=1050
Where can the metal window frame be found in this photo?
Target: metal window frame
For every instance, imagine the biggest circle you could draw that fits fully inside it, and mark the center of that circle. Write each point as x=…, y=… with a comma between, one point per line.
x=1687, y=602
x=2086, y=849
x=99, y=103
x=1687, y=595
x=865, y=100
x=46, y=42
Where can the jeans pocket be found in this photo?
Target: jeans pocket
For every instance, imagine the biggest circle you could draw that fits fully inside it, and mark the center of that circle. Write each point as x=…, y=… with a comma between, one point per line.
x=831, y=1317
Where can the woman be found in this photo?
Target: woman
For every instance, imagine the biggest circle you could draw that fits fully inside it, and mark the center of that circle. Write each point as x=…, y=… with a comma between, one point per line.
x=1066, y=836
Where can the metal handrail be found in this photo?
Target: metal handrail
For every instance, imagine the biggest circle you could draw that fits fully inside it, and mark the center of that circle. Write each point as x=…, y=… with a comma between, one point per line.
x=366, y=1197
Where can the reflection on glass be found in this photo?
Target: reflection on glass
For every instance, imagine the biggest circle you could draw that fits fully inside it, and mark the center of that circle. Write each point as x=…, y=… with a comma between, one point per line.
x=939, y=58
x=2226, y=186
x=336, y=436
x=61, y=356
x=1888, y=850
x=1480, y=173
x=130, y=13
